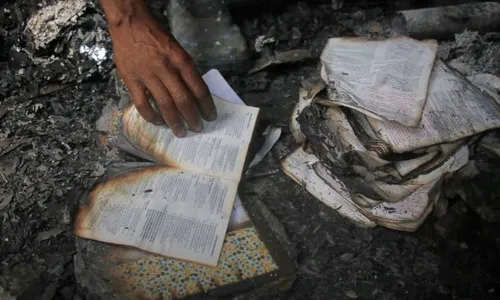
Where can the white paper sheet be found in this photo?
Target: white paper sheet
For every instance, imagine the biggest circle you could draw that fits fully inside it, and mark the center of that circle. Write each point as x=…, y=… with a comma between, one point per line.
x=219, y=86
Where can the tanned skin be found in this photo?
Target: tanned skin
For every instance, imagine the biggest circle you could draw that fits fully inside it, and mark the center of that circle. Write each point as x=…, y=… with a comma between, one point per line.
x=150, y=60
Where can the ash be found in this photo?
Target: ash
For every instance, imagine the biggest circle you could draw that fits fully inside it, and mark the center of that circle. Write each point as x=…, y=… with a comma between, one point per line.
x=52, y=93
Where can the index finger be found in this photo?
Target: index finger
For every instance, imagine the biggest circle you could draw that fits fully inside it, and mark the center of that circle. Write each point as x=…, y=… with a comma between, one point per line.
x=138, y=94
x=200, y=91
x=184, y=101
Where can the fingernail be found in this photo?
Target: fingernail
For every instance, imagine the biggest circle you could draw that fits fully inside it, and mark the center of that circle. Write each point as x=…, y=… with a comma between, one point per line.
x=199, y=126
x=212, y=115
x=179, y=130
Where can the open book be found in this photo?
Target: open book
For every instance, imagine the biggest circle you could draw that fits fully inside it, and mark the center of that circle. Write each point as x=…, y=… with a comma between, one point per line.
x=386, y=80
x=179, y=208
x=455, y=109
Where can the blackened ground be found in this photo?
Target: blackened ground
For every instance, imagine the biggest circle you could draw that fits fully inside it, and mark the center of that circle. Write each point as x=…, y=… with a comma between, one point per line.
x=49, y=152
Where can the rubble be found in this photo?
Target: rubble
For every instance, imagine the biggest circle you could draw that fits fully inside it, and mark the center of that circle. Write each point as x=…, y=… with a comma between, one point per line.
x=261, y=41
x=53, y=96
x=337, y=4
x=474, y=54
x=49, y=22
x=291, y=56
x=445, y=21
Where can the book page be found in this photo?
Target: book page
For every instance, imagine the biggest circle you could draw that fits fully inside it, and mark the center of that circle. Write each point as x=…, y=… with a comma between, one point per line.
x=455, y=109
x=306, y=96
x=407, y=214
x=404, y=167
x=386, y=79
x=161, y=210
x=346, y=141
x=218, y=86
x=488, y=83
x=394, y=192
x=298, y=166
x=219, y=150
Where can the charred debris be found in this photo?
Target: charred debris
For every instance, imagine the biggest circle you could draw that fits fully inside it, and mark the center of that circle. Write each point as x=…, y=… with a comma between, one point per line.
x=56, y=67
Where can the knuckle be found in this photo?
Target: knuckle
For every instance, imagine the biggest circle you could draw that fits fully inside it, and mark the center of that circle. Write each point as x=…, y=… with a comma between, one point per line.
x=182, y=101
x=183, y=58
x=160, y=64
x=165, y=103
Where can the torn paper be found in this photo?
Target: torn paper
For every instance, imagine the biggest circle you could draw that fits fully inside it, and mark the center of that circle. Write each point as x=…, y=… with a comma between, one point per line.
x=455, y=109
x=425, y=163
x=491, y=142
x=298, y=166
x=306, y=97
x=395, y=192
x=407, y=214
x=95, y=52
x=387, y=79
x=272, y=135
x=335, y=142
x=291, y=56
x=218, y=86
x=341, y=139
x=404, y=167
x=487, y=83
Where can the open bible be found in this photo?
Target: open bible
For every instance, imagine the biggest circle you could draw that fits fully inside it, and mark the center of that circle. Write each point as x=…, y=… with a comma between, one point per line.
x=180, y=206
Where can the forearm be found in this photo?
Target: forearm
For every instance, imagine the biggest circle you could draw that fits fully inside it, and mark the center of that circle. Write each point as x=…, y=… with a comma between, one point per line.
x=119, y=12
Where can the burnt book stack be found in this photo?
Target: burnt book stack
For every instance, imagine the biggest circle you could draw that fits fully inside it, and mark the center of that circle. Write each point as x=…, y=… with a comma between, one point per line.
x=385, y=136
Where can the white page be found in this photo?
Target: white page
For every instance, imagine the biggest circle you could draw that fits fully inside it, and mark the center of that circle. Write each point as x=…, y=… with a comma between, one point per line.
x=219, y=86
x=219, y=150
x=272, y=135
x=395, y=192
x=488, y=83
x=404, y=167
x=385, y=79
x=455, y=109
x=407, y=214
x=161, y=210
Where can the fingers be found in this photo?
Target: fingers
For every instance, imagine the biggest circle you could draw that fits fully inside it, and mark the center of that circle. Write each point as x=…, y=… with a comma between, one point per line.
x=166, y=105
x=200, y=92
x=140, y=100
x=184, y=100
x=178, y=89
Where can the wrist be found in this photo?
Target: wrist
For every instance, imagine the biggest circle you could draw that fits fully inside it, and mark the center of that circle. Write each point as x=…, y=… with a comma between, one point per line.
x=120, y=13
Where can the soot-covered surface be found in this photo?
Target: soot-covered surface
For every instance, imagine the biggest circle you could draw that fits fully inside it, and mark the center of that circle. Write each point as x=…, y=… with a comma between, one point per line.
x=50, y=100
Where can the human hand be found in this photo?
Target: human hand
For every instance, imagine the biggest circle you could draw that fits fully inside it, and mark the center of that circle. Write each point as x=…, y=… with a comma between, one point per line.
x=149, y=59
